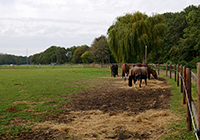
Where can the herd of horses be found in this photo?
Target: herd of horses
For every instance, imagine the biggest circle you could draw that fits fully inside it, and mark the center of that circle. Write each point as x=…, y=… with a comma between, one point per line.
x=138, y=71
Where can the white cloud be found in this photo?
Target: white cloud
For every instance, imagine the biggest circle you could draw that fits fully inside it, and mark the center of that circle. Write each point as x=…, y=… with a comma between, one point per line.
x=38, y=24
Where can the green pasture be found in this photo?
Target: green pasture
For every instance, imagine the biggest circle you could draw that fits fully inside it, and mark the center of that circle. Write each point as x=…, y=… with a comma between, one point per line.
x=42, y=90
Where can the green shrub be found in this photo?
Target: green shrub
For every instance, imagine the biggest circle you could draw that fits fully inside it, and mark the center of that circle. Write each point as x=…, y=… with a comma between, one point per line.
x=168, y=62
x=188, y=65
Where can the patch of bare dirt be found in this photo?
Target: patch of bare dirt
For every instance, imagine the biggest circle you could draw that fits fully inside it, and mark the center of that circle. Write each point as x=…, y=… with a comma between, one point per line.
x=113, y=111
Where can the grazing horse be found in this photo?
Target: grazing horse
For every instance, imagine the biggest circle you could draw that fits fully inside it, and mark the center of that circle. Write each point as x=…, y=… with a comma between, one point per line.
x=150, y=71
x=125, y=71
x=114, y=70
x=153, y=72
x=138, y=73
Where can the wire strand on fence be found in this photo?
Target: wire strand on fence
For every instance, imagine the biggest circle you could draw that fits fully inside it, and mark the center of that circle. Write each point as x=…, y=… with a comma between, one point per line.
x=194, y=78
x=190, y=110
x=196, y=130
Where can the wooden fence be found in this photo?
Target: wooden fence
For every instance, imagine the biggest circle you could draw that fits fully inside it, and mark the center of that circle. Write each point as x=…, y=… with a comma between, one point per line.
x=184, y=76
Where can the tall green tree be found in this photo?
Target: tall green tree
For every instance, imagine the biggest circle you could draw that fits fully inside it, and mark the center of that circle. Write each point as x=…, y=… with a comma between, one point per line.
x=86, y=57
x=100, y=50
x=61, y=55
x=78, y=52
x=191, y=37
x=69, y=53
x=131, y=33
x=156, y=33
x=50, y=55
x=183, y=31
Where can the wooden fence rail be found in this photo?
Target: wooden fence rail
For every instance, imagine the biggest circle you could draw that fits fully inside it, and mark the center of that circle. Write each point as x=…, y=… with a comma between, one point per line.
x=185, y=75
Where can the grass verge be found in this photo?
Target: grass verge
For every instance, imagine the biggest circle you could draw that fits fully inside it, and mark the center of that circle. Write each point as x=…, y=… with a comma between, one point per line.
x=178, y=130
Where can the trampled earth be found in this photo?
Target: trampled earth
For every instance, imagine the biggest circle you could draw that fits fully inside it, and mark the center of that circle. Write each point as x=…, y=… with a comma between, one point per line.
x=112, y=111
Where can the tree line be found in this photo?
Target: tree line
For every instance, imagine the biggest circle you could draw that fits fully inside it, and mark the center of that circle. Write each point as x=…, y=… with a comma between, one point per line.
x=12, y=59
x=99, y=52
x=169, y=37
x=182, y=37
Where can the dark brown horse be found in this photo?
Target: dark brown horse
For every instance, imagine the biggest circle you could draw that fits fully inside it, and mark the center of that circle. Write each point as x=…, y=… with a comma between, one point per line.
x=114, y=70
x=125, y=71
x=138, y=73
x=150, y=71
x=153, y=72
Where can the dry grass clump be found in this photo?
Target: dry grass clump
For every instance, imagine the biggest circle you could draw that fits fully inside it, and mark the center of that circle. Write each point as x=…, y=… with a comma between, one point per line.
x=89, y=124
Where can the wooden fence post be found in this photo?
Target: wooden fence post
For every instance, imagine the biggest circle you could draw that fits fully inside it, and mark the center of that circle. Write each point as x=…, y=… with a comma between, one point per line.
x=177, y=74
x=170, y=71
x=188, y=79
x=158, y=69
x=181, y=78
x=184, y=80
x=166, y=69
x=198, y=89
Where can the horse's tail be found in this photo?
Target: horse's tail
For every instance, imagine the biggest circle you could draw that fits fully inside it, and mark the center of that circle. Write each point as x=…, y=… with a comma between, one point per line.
x=126, y=68
x=130, y=81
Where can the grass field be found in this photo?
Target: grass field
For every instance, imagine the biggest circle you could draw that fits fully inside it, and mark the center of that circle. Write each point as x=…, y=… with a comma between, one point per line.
x=31, y=93
x=41, y=90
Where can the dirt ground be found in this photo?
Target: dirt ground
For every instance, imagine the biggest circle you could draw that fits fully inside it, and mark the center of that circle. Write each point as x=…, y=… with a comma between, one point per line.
x=113, y=111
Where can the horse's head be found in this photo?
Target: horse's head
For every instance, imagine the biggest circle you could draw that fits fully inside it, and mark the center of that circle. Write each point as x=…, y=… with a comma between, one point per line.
x=154, y=74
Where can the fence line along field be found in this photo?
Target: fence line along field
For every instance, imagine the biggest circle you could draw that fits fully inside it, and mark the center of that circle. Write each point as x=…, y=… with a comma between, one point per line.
x=81, y=103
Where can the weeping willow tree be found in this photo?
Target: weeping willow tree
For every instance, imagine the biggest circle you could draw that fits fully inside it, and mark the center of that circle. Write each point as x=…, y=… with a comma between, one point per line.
x=130, y=34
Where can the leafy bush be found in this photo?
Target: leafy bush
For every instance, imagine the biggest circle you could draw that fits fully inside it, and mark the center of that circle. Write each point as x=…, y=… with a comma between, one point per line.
x=188, y=65
x=168, y=62
x=195, y=60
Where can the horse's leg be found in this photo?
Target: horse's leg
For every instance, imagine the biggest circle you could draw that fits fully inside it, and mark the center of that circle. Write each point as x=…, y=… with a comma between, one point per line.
x=134, y=82
x=145, y=82
x=140, y=82
x=130, y=81
x=125, y=76
x=149, y=76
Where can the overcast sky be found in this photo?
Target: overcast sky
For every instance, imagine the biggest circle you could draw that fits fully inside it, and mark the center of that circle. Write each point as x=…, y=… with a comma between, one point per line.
x=34, y=25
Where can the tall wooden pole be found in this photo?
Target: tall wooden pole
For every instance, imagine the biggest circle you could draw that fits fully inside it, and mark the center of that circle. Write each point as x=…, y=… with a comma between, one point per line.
x=146, y=54
x=26, y=58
